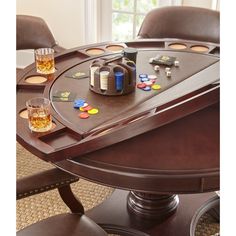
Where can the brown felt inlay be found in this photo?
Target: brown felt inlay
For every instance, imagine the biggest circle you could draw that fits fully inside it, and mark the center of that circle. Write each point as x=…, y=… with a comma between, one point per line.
x=35, y=79
x=177, y=46
x=189, y=65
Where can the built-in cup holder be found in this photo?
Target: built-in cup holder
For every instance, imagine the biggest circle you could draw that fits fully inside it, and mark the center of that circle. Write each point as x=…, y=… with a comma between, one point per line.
x=177, y=46
x=115, y=48
x=35, y=79
x=53, y=126
x=199, y=48
x=24, y=114
x=95, y=51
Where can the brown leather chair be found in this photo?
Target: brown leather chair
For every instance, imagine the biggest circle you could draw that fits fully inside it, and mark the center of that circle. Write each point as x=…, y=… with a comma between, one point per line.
x=190, y=23
x=73, y=224
x=32, y=32
x=30, y=38
x=64, y=225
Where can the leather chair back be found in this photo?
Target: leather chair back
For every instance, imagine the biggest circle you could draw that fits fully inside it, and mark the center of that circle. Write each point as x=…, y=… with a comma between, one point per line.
x=32, y=32
x=190, y=23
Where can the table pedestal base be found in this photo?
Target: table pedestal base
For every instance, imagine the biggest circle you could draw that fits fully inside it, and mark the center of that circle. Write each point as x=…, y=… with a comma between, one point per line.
x=152, y=206
x=115, y=216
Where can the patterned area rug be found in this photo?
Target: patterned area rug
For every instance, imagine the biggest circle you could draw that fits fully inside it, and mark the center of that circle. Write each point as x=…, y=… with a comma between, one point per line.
x=207, y=225
x=32, y=209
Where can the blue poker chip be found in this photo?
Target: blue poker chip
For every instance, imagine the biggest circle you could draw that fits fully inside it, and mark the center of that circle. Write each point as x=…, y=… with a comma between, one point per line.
x=143, y=76
x=77, y=106
x=147, y=88
x=144, y=79
x=79, y=103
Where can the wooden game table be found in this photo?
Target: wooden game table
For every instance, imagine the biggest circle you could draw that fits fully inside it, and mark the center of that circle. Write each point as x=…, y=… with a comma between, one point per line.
x=160, y=148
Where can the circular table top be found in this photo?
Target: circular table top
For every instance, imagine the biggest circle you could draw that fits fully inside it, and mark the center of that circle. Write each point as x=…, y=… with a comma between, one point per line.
x=163, y=140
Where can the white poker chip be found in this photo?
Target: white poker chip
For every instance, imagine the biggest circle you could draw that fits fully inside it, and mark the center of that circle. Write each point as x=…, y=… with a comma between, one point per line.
x=152, y=77
x=85, y=104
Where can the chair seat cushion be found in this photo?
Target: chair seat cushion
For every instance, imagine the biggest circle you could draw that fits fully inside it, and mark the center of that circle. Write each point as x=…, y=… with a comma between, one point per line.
x=63, y=225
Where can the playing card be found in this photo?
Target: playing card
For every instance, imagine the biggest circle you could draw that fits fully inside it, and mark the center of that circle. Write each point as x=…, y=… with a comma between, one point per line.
x=77, y=75
x=164, y=60
x=64, y=96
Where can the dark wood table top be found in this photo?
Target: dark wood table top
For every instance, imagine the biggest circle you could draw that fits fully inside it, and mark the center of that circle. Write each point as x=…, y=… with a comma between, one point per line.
x=163, y=141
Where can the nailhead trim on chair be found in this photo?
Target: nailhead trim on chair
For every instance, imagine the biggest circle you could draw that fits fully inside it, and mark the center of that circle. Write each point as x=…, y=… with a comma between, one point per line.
x=46, y=188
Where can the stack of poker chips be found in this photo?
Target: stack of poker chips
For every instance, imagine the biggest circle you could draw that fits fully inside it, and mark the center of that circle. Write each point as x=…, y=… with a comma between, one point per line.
x=104, y=80
x=119, y=78
x=116, y=78
x=148, y=82
x=92, y=71
x=104, y=76
x=86, y=109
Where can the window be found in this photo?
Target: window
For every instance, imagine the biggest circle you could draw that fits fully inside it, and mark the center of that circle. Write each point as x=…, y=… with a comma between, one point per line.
x=118, y=20
x=127, y=16
x=121, y=19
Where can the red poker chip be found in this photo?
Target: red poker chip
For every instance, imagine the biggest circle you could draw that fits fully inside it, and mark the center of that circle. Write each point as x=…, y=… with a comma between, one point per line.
x=141, y=85
x=87, y=108
x=84, y=115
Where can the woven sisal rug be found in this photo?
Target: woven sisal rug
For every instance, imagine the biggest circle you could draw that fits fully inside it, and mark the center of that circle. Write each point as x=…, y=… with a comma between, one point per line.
x=32, y=209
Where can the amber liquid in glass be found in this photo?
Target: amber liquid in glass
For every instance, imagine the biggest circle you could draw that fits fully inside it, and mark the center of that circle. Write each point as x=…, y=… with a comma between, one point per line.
x=45, y=66
x=40, y=122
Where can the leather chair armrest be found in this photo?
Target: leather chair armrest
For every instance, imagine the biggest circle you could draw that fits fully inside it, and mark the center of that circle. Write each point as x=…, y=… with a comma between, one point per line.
x=43, y=181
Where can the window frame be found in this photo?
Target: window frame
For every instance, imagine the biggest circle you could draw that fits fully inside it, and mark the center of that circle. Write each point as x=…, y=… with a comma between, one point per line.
x=106, y=16
x=134, y=13
x=98, y=18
